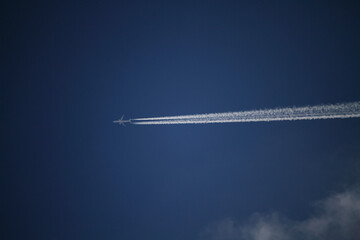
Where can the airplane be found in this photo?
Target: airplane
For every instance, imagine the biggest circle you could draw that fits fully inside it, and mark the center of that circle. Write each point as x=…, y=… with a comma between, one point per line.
x=121, y=121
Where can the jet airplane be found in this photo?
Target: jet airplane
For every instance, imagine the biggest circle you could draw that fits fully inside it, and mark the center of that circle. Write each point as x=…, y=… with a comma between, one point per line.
x=121, y=121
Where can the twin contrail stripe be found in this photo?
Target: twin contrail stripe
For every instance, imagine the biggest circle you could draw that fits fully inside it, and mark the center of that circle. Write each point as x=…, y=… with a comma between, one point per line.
x=332, y=111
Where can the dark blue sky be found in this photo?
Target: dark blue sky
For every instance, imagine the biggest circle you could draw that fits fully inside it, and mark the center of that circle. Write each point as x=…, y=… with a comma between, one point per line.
x=69, y=69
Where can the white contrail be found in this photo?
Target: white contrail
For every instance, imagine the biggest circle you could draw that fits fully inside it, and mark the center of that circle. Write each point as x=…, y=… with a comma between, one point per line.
x=343, y=110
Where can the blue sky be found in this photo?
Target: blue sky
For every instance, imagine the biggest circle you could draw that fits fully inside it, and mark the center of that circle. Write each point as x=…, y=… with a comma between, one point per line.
x=72, y=68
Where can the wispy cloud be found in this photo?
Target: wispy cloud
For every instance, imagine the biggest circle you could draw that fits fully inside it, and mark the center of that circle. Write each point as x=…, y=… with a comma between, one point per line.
x=337, y=217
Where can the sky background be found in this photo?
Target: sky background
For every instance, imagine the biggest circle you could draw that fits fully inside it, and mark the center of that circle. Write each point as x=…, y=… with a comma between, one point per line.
x=69, y=69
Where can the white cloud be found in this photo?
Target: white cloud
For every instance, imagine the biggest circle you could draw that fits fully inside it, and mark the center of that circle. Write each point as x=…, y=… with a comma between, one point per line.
x=337, y=217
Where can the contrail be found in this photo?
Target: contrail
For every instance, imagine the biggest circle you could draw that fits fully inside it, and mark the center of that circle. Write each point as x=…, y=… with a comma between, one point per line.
x=331, y=111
